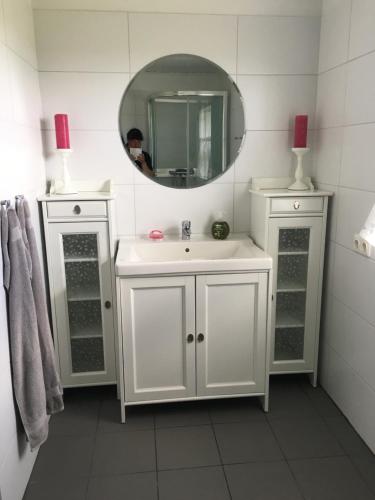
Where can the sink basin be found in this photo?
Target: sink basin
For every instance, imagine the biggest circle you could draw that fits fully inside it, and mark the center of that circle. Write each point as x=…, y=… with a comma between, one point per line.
x=140, y=256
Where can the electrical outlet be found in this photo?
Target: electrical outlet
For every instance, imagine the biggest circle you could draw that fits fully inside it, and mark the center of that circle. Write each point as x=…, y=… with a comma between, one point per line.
x=362, y=246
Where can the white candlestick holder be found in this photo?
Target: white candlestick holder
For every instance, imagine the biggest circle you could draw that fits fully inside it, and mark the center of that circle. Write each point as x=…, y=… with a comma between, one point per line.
x=299, y=185
x=65, y=186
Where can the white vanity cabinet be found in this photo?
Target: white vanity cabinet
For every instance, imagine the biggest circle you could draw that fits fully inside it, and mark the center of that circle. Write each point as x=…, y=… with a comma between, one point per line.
x=79, y=247
x=191, y=337
x=290, y=226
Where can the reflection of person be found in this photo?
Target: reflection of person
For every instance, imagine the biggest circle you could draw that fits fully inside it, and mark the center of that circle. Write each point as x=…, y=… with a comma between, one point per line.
x=134, y=140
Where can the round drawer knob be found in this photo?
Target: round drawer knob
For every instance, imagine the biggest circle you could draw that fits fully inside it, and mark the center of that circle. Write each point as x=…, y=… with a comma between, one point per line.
x=190, y=338
x=200, y=337
x=107, y=304
x=77, y=209
x=296, y=205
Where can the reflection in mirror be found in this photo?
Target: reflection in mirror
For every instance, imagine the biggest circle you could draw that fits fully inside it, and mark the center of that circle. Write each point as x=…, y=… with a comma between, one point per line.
x=181, y=121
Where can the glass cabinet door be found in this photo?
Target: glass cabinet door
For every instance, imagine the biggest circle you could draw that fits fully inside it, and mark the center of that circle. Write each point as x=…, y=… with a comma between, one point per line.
x=82, y=284
x=295, y=248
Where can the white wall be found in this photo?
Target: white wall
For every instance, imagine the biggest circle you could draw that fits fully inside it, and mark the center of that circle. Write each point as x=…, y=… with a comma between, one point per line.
x=344, y=163
x=87, y=57
x=21, y=172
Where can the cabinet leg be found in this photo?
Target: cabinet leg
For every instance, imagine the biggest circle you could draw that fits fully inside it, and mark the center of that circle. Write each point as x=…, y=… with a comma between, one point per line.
x=123, y=416
x=313, y=377
x=265, y=402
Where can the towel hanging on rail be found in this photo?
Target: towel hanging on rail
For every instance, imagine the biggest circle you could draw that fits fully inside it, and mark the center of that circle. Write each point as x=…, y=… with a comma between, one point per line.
x=51, y=378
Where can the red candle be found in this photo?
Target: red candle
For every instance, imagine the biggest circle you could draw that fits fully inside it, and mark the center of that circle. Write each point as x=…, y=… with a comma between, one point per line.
x=62, y=131
x=300, y=131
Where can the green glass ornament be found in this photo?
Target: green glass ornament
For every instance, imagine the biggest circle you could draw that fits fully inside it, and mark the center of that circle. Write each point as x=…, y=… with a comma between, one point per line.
x=220, y=230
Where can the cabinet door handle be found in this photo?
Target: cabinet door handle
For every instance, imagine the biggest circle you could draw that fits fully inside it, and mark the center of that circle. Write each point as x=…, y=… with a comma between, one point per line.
x=107, y=304
x=77, y=209
x=200, y=337
x=296, y=205
x=190, y=338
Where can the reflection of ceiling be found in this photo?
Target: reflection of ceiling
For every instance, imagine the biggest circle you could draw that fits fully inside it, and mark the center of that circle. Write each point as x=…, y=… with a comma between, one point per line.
x=181, y=63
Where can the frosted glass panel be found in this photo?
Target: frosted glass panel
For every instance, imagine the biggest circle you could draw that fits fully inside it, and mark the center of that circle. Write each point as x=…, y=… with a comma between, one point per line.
x=289, y=343
x=82, y=280
x=87, y=355
x=85, y=318
x=292, y=272
x=294, y=240
x=80, y=245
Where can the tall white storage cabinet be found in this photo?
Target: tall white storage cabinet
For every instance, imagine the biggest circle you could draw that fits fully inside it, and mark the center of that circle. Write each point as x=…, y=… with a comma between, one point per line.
x=290, y=226
x=80, y=253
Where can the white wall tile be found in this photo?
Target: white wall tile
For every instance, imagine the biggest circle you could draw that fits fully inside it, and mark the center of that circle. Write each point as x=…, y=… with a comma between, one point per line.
x=5, y=95
x=158, y=207
x=333, y=203
x=354, y=339
x=334, y=35
x=353, y=209
x=255, y=7
x=360, y=98
x=362, y=33
x=91, y=100
x=327, y=155
x=125, y=210
x=19, y=29
x=330, y=102
x=82, y=41
x=2, y=27
x=350, y=392
x=278, y=45
x=241, y=207
x=213, y=37
x=96, y=155
x=354, y=282
x=271, y=102
x=265, y=154
x=25, y=92
x=357, y=169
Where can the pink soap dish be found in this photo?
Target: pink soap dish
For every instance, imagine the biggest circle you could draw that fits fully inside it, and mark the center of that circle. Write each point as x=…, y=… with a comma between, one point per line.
x=156, y=234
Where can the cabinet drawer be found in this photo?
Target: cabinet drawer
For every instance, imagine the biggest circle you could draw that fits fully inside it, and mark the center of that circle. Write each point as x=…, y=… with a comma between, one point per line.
x=77, y=209
x=303, y=204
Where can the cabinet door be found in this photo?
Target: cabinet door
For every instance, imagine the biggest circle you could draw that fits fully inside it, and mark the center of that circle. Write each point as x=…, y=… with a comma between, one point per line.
x=295, y=245
x=231, y=333
x=158, y=321
x=81, y=276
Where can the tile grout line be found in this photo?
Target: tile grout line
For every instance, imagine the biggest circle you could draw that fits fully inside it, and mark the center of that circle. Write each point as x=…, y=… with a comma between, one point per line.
x=286, y=460
x=93, y=448
x=220, y=457
x=156, y=457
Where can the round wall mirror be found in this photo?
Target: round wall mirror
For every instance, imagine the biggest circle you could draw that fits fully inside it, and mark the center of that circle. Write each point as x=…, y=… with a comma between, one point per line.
x=181, y=121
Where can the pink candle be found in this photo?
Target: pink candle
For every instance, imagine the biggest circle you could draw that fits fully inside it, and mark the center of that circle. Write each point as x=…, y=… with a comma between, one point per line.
x=62, y=131
x=300, y=131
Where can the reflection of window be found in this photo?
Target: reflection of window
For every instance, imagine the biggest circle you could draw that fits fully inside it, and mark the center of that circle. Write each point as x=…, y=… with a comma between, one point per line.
x=204, y=146
x=368, y=230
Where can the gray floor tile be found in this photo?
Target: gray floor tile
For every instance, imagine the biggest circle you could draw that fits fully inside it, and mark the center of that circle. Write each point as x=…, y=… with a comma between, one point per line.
x=236, y=410
x=289, y=402
x=348, y=438
x=80, y=417
x=321, y=401
x=333, y=478
x=262, y=481
x=130, y=486
x=64, y=456
x=366, y=468
x=137, y=417
x=305, y=438
x=207, y=483
x=184, y=447
x=124, y=453
x=72, y=488
x=247, y=442
x=181, y=414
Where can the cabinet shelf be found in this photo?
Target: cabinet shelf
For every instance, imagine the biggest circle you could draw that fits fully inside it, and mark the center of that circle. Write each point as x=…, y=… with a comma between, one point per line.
x=288, y=319
x=295, y=252
x=81, y=259
x=83, y=294
x=291, y=286
x=86, y=331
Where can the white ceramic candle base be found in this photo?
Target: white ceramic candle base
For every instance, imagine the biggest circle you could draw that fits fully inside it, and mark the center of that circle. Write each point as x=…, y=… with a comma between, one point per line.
x=298, y=185
x=65, y=187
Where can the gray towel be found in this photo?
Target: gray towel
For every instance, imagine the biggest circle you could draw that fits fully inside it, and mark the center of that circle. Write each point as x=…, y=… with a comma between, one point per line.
x=4, y=246
x=51, y=378
x=21, y=217
x=27, y=369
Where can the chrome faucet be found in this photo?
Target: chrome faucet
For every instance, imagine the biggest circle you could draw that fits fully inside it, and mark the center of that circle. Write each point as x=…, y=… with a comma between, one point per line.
x=185, y=229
